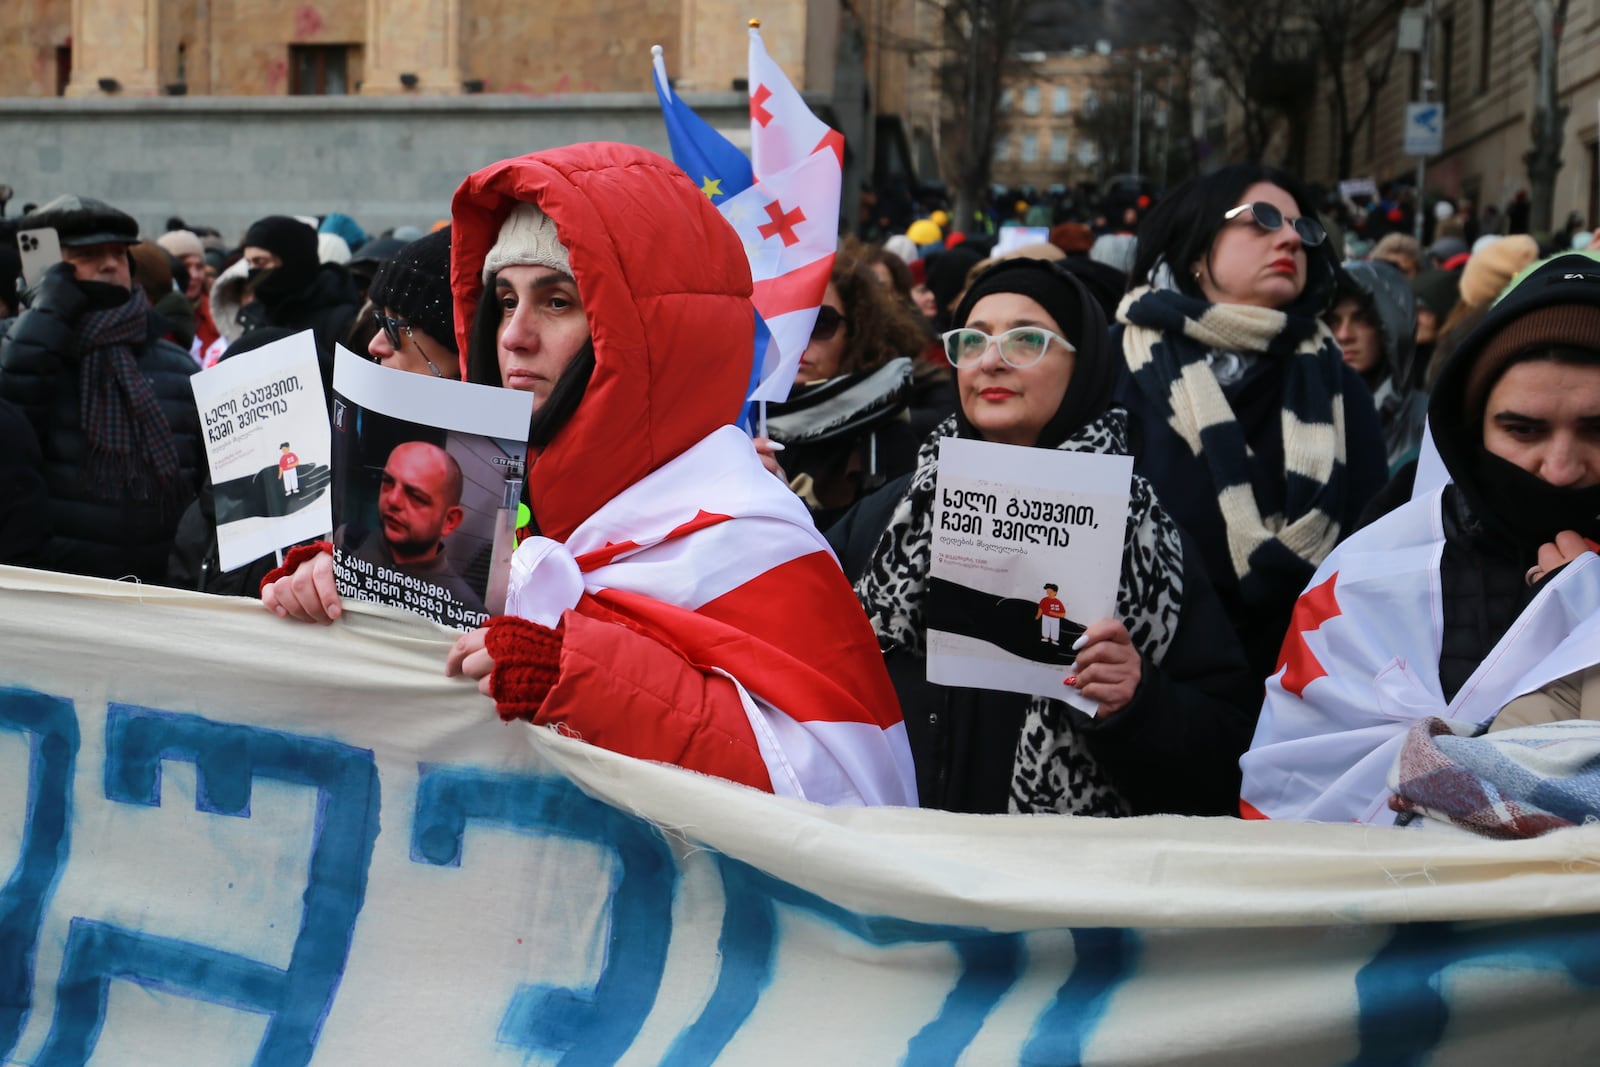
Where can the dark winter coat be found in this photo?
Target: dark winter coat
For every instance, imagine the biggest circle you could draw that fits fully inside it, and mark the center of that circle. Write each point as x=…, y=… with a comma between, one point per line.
x=327, y=307
x=89, y=532
x=24, y=497
x=1183, y=483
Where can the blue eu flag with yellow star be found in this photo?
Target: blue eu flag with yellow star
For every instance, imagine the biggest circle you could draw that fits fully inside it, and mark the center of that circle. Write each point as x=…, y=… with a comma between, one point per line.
x=710, y=159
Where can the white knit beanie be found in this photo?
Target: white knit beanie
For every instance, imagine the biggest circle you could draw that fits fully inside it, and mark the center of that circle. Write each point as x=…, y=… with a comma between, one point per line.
x=527, y=239
x=181, y=243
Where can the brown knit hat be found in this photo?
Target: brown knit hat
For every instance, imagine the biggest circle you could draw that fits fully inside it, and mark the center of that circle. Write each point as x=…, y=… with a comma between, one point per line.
x=1561, y=325
x=1491, y=268
x=152, y=269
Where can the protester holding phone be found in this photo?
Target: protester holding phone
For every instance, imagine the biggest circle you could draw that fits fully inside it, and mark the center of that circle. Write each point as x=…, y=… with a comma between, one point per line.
x=107, y=400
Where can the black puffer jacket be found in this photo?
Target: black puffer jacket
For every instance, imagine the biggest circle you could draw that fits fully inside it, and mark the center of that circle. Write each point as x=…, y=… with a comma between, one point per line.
x=91, y=531
x=24, y=500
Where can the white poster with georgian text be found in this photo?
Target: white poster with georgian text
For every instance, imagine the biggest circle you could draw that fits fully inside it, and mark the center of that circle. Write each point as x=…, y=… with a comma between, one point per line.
x=1027, y=552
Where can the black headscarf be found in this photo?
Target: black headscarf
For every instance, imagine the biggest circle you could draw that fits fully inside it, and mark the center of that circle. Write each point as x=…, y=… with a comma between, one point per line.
x=1082, y=322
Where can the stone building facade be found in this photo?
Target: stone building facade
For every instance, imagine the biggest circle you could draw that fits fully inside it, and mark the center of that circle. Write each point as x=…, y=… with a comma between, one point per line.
x=381, y=105
x=1484, y=65
x=1043, y=103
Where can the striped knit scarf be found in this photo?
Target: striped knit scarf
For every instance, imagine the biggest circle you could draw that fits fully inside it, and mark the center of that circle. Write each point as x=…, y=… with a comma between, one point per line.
x=1168, y=337
x=132, y=454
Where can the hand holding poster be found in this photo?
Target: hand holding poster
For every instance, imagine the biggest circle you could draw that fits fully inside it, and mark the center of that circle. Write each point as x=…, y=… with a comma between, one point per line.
x=1022, y=563
x=427, y=474
x=266, y=424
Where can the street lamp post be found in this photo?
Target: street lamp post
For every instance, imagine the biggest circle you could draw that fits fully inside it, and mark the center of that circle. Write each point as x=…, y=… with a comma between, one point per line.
x=1424, y=85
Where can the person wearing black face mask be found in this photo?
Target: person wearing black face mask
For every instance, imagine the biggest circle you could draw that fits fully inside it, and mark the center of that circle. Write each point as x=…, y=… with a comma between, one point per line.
x=292, y=290
x=1454, y=604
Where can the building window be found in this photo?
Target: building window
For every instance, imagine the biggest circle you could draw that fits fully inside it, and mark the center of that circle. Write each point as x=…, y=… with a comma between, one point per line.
x=1061, y=100
x=1087, y=154
x=1030, y=100
x=63, y=68
x=319, y=69
x=1005, y=101
x=1091, y=101
x=1058, y=148
x=1485, y=31
x=1030, y=148
x=1002, y=149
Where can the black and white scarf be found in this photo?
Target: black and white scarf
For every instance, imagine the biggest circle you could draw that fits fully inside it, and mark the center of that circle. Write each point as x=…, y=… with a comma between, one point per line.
x=1054, y=771
x=132, y=454
x=1169, y=335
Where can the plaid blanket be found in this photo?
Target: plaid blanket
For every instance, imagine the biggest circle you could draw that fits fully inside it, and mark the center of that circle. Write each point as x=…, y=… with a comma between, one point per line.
x=1515, y=783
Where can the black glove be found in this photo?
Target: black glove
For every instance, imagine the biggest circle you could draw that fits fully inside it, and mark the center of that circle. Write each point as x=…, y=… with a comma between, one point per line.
x=58, y=294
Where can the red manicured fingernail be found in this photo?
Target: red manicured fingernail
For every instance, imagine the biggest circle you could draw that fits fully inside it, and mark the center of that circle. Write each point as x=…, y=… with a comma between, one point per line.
x=1071, y=679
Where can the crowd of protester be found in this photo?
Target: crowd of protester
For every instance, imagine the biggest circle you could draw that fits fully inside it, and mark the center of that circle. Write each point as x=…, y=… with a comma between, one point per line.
x=1358, y=571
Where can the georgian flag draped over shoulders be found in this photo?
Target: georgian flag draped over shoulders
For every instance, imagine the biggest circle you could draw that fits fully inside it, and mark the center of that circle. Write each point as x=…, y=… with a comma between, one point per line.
x=718, y=559
x=787, y=216
x=1360, y=665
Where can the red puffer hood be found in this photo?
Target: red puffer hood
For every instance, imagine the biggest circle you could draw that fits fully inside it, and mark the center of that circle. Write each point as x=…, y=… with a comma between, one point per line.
x=666, y=288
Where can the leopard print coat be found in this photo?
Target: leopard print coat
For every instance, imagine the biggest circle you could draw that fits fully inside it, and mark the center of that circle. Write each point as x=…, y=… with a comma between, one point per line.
x=1053, y=769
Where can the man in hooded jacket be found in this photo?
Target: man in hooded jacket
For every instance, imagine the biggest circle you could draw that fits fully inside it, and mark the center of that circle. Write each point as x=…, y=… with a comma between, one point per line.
x=1467, y=597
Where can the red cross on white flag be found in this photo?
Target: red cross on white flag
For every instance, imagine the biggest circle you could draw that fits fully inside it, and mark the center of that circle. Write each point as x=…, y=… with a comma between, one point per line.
x=789, y=219
x=789, y=226
x=783, y=131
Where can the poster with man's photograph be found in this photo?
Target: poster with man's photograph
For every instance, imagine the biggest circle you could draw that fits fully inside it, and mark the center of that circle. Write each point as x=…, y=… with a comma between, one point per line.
x=1027, y=553
x=427, y=476
x=265, y=419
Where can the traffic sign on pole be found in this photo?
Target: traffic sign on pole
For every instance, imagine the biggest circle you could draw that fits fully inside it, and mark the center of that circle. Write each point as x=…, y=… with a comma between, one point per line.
x=1424, y=129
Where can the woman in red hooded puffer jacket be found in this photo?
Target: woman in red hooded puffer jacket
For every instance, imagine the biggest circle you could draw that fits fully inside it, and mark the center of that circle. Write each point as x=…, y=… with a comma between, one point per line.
x=676, y=603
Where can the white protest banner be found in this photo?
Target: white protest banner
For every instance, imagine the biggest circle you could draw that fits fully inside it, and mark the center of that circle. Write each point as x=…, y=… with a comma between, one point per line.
x=1014, y=237
x=1027, y=552
x=266, y=423
x=427, y=476
x=227, y=838
x=1355, y=187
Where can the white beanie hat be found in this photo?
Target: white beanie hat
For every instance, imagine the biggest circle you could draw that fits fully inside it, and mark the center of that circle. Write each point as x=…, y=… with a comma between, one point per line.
x=527, y=239
x=901, y=246
x=181, y=243
x=331, y=248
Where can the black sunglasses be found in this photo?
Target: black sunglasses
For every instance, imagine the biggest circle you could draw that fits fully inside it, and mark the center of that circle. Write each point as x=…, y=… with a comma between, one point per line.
x=1268, y=217
x=391, y=328
x=829, y=319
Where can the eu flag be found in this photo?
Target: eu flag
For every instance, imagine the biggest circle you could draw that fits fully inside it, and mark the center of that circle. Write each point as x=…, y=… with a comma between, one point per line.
x=710, y=159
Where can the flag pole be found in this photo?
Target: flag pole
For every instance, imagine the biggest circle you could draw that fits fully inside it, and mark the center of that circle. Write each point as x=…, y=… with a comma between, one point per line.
x=761, y=405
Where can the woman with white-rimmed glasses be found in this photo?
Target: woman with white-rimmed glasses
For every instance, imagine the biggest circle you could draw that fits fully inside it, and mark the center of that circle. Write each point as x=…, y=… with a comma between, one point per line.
x=1175, y=702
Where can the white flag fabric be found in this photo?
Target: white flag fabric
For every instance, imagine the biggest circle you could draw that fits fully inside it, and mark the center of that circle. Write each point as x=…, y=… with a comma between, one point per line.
x=783, y=130
x=1360, y=666
x=227, y=838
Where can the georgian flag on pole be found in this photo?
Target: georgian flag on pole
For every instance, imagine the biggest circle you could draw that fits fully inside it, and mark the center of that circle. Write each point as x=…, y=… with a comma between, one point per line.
x=783, y=131
x=788, y=218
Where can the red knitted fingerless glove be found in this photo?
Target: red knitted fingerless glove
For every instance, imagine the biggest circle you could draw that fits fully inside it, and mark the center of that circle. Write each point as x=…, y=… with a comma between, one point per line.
x=527, y=661
x=292, y=560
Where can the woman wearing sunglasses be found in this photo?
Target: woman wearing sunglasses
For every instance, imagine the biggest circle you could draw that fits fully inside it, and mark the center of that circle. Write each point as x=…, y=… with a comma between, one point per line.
x=1034, y=368
x=1257, y=437
x=411, y=309
x=844, y=428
